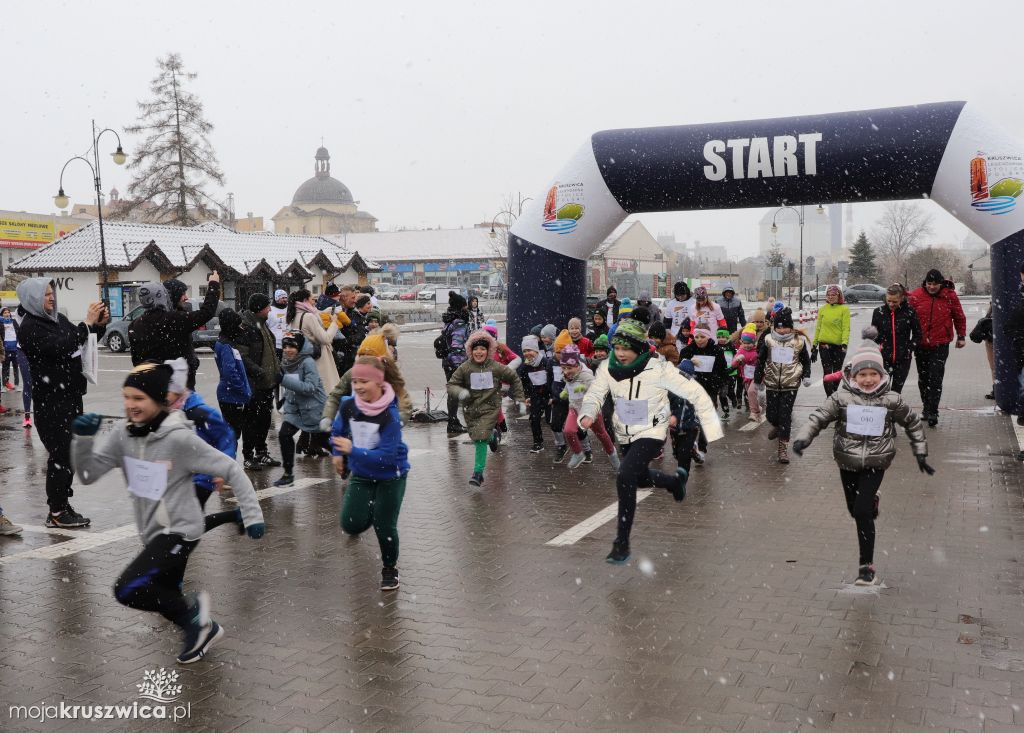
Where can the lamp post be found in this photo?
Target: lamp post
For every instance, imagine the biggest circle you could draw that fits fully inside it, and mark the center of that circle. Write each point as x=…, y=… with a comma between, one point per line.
x=511, y=216
x=61, y=201
x=800, y=218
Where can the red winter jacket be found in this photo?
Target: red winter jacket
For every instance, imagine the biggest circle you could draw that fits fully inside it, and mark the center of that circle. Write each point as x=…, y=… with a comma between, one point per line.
x=939, y=314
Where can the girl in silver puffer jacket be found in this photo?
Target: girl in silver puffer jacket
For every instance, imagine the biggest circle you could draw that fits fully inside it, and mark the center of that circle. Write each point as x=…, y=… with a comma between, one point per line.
x=866, y=413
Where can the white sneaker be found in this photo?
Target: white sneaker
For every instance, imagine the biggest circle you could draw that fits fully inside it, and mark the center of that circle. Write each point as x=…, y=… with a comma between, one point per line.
x=7, y=527
x=576, y=460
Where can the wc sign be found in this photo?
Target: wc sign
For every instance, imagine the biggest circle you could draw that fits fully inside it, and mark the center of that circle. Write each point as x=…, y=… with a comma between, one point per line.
x=762, y=157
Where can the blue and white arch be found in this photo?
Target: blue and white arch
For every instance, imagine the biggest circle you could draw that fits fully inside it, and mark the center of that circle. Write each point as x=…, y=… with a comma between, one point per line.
x=945, y=151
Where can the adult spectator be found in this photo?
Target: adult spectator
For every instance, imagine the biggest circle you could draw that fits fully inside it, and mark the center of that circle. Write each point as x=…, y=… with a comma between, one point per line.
x=304, y=318
x=940, y=313
x=677, y=310
x=177, y=293
x=982, y=334
x=732, y=308
x=261, y=366
x=330, y=298
x=609, y=307
x=356, y=306
x=277, y=321
x=832, y=335
x=899, y=333
x=53, y=348
x=450, y=348
x=164, y=331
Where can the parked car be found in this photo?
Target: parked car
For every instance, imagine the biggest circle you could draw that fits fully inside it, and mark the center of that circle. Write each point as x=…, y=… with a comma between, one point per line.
x=865, y=292
x=116, y=337
x=209, y=332
x=816, y=296
x=439, y=293
x=412, y=293
x=386, y=291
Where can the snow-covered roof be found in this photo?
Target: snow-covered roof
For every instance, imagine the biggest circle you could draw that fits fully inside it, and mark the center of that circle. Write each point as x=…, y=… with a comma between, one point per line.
x=613, y=237
x=428, y=244
x=179, y=248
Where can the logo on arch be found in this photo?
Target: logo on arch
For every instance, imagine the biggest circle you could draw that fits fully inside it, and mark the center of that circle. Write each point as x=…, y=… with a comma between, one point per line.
x=563, y=207
x=1007, y=172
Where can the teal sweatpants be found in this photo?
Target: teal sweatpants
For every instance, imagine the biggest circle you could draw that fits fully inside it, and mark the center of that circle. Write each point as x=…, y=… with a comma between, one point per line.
x=371, y=502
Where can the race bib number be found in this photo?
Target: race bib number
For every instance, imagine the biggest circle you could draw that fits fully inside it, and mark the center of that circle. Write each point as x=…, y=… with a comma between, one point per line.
x=365, y=435
x=631, y=412
x=782, y=354
x=865, y=420
x=146, y=479
x=748, y=371
x=556, y=373
x=703, y=363
x=481, y=380
x=539, y=378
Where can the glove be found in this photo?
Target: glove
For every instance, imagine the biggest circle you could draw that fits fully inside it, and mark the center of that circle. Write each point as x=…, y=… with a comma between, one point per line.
x=326, y=424
x=87, y=424
x=256, y=531
x=806, y=381
x=463, y=394
x=922, y=463
x=799, y=446
x=814, y=354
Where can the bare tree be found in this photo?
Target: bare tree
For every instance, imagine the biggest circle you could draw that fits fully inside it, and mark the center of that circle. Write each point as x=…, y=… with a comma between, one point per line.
x=175, y=160
x=899, y=232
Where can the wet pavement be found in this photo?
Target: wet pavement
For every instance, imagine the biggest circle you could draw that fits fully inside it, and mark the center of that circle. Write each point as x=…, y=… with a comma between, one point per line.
x=736, y=612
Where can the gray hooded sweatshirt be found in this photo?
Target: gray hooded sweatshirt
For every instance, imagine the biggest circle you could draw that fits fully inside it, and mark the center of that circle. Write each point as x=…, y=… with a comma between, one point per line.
x=175, y=445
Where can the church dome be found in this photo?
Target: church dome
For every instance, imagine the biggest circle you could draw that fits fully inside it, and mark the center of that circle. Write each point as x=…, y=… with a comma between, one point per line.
x=322, y=188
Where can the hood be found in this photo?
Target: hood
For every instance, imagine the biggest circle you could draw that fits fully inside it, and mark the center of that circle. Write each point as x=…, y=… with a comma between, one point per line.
x=31, y=292
x=174, y=421
x=450, y=315
x=175, y=289
x=728, y=288
x=850, y=386
x=492, y=345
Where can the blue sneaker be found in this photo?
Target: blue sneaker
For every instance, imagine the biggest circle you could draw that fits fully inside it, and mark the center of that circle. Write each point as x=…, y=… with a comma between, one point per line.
x=208, y=636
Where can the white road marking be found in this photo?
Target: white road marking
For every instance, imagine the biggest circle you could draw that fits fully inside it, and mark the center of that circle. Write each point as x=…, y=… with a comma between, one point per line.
x=51, y=530
x=750, y=426
x=581, y=530
x=300, y=483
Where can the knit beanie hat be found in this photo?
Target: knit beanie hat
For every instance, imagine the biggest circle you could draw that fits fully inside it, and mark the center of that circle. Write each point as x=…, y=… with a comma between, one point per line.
x=536, y=330
x=294, y=338
x=686, y=368
x=175, y=289
x=934, y=276
x=563, y=340
x=681, y=291
x=376, y=344
x=331, y=290
x=258, y=301
x=230, y=323
x=153, y=296
x=641, y=314
x=549, y=331
x=705, y=332
x=611, y=289
x=491, y=329
x=657, y=330
x=748, y=337
x=783, y=318
x=723, y=333
x=530, y=342
x=179, y=375
x=602, y=343
x=570, y=356
x=777, y=306
x=867, y=355
x=455, y=301
x=625, y=308
x=631, y=334
x=278, y=294
x=151, y=378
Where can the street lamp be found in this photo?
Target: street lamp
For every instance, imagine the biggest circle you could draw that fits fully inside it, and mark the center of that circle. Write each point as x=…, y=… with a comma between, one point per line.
x=61, y=200
x=800, y=218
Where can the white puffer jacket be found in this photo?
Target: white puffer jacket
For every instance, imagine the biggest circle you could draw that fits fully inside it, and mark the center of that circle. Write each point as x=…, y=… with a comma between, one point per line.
x=652, y=384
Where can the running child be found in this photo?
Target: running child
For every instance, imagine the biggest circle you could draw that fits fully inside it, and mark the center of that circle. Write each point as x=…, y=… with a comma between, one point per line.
x=158, y=452
x=304, y=400
x=782, y=364
x=745, y=364
x=728, y=394
x=684, y=425
x=367, y=441
x=477, y=385
x=536, y=377
x=577, y=381
x=866, y=413
x=640, y=384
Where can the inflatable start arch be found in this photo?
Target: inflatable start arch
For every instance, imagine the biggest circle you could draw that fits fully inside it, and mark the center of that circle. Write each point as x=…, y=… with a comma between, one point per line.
x=944, y=151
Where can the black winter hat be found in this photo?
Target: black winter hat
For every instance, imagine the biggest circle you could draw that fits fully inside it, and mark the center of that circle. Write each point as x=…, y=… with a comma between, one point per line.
x=934, y=276
x=152, y=378
x=230, y=323
x=611, y=289
x=657, y=329
x=331, y=290
x=258, y=301
x=641, y=314
x=175, y=289
x=456, y=302
x=681, y=288
x=783, y=318
x=293, y=338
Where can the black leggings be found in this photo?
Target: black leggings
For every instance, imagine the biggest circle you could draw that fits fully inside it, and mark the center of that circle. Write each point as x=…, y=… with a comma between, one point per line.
x=832, y=357
x=860, y=488
x=931, y=369
x=683, y=447
x=538, y=403
x=780, y=410
x=286, y=437
x=234, y=415
x=899, y=371
x=634, y=473
x=152, y=582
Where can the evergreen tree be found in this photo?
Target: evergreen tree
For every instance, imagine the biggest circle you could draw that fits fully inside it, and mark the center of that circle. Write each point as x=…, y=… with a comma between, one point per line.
x=862, y=261
x=774, y=259
x=175, y=160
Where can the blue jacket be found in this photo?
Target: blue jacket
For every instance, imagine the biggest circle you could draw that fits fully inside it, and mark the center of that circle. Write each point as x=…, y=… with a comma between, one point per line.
x=213, y=429
x=233, y=387
x=385, y=457
x=304, y=395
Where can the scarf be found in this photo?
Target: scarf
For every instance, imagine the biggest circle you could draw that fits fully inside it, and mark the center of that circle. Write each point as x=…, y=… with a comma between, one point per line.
x=141, y=431
x=378, y=406
x=302, y=305
x=536, y=362
x=619, y=371
x=291, y=365
x=783, y=337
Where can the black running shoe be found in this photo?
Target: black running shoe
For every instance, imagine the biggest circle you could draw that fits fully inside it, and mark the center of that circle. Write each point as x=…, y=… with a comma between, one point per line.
x=866, y=576
x=253, y=464
x=537, y=448
x=560, y=452
x=455, y=429
x=67, y=519
x=619, y=553
x=477, y=479
x=389, y=579
x=266, y=460
x=287, y=479
x=679, y=489
x=588, y=456
x=208, y=637
x=493, y=442
x=933, y=420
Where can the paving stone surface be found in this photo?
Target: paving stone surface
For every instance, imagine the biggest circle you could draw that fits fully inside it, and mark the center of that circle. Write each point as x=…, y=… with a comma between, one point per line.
x=736, y=612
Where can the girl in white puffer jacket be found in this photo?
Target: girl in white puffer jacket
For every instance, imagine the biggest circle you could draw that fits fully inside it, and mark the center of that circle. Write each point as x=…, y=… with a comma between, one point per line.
x=639, y=386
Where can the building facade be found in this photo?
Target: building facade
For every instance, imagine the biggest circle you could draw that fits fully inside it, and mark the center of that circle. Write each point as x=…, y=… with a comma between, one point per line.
x=323, y=205
x=631, y=259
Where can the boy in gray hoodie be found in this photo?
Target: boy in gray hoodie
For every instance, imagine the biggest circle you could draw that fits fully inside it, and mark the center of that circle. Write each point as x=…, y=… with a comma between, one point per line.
x=158, y=452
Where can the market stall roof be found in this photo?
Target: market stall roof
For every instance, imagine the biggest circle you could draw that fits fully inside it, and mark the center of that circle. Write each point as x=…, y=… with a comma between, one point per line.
x=177, y=249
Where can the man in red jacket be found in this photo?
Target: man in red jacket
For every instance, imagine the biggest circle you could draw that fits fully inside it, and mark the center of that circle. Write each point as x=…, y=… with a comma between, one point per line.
x=939, y=311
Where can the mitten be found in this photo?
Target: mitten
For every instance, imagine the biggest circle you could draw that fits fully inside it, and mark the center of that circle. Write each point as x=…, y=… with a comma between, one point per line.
x=814, y=353
x=799, y=446
x=87, y=424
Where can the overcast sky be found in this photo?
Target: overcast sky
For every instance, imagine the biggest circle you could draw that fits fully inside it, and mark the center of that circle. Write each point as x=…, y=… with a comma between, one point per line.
x=433, y=112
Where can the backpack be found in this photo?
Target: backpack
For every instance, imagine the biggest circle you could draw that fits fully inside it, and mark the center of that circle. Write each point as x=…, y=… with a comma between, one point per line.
x=317, y=348
x=441, y=344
